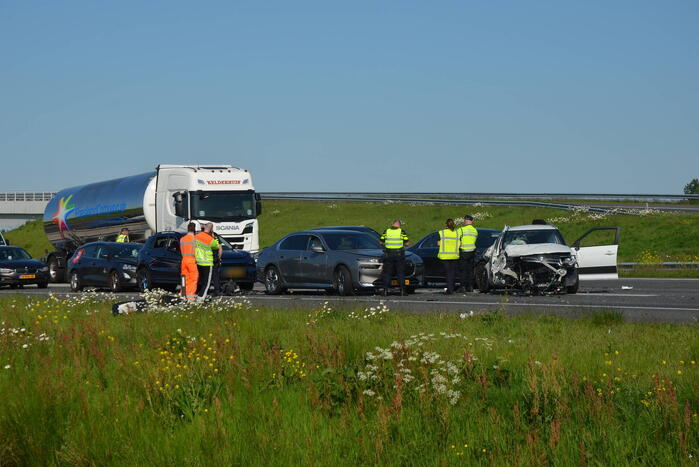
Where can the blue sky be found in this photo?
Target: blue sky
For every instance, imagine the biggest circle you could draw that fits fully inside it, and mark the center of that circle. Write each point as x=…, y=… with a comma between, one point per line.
x=507, y=96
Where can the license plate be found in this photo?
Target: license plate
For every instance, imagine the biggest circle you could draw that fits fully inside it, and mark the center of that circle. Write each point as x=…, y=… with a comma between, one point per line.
x=395, y=282
x=234, y=273
x=27, y=276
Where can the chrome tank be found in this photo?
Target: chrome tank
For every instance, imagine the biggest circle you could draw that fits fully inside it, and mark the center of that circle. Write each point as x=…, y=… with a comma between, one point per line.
x=98, y=211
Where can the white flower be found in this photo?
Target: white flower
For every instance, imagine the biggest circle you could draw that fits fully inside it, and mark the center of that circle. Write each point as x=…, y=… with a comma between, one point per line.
x=25, y=346
x=369, y=392
x=7, y=367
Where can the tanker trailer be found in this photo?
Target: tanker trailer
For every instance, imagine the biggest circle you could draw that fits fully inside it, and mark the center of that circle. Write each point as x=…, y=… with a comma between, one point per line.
x=164, y=200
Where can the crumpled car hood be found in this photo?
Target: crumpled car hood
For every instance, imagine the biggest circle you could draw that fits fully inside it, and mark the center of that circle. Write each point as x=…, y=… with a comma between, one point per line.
x=515, y=251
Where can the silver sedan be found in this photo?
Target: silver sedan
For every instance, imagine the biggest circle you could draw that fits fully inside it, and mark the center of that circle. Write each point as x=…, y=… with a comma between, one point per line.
x=341, y=261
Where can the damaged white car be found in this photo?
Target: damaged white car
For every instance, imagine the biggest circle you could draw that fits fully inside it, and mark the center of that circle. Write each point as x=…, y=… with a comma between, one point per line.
x=535, y=259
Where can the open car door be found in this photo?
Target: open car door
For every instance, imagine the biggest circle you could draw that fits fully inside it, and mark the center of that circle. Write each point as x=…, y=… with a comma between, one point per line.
x=597, y=261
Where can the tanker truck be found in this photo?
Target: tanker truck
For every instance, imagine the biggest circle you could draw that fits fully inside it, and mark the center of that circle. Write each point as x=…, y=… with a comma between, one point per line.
x=164, y=200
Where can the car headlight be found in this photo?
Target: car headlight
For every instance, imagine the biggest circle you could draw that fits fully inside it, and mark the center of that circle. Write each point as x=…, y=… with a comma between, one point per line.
x=129, y=268
x=570, y=261
x=6, y=271
x=368, y=260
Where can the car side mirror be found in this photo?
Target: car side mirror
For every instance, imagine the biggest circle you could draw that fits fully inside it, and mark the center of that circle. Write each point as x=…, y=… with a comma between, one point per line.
x=317, y=249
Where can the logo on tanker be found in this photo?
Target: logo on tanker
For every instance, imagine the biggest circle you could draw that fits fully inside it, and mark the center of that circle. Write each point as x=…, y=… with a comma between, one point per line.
x=65, y=207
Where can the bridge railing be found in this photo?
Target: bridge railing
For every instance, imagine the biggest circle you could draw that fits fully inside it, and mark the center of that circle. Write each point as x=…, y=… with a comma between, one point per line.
x=27, y=196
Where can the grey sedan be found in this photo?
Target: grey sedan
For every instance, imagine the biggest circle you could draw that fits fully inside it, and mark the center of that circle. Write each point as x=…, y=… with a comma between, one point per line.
x=341, y=261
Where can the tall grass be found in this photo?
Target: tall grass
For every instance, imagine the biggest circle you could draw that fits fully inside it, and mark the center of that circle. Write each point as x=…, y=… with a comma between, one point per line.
x=232, y=384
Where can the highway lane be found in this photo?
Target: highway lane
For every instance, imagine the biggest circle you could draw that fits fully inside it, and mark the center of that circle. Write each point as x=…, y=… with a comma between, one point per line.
x=659, y=300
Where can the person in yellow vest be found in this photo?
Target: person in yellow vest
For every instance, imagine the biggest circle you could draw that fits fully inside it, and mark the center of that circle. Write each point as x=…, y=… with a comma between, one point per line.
x=205, y=243
x=468, y=235
x=123, y=237
x=394, y=240
x=188, y=266
x=449, y=253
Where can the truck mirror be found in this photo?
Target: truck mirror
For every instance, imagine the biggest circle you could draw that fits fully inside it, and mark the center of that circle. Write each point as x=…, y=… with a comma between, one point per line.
x=258, y=207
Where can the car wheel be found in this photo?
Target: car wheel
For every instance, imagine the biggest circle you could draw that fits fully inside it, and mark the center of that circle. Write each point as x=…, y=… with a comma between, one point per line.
x=42, y=285
x=143, y=279
x=56, y=274
x=75, y=283
x=573, y=289
x=14, y=286
x=273, y=281
x=114, y=282
x=410, y=289
x=343, y=282
x=482, y=279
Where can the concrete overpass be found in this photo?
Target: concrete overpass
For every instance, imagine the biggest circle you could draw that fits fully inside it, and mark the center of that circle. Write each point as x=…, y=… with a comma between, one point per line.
x=16, y=208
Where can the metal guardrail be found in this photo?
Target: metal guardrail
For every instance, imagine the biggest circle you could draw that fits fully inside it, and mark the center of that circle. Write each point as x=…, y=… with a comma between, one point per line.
x=527, y=196
x=378, y=198
x=27, y=196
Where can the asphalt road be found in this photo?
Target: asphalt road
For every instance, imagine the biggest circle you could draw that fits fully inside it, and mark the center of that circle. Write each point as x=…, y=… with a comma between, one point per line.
x=655, y=300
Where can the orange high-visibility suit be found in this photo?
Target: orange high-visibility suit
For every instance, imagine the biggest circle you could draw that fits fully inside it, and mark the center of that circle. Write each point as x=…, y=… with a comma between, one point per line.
x=188, y=268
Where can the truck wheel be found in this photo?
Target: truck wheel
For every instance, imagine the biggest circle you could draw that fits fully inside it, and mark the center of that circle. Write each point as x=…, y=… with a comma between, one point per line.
x=343, y=282
x=573, y=289
x=143, y=279
x=114, y=282
x=273, y=281
x=56, y=273
x=75, y=284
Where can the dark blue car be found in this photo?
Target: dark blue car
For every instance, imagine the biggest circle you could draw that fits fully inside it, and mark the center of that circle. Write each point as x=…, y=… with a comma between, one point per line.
x=104, y=265
x=17, y=268
x=159, y=264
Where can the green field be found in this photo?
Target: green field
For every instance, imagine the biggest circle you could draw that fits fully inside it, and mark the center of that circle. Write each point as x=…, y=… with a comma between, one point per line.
x=234, y=385
x=652, y=237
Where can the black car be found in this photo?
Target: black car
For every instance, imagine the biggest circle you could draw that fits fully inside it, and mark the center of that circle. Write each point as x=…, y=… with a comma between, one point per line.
x=160, y=259
x=427, y=249
x=341, y=261
x=17, y=268
x=103, y=265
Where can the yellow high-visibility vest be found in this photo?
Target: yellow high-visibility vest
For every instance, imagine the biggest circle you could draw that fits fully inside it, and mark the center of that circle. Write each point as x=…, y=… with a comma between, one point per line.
x=467, y=236
x=205, y=244
x=394, y=239
x=449, y=244
x=122, y=238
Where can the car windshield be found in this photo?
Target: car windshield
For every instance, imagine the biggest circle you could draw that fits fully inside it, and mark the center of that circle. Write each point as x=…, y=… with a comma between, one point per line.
x=224, y=243
x=222, y=206
x=351, y=241
x=486, y=238
x=532, y=237
x=125, y=251
x=13, y=254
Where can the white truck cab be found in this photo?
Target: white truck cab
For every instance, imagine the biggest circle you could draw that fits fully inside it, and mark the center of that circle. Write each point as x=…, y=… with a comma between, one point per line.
x=221, y=194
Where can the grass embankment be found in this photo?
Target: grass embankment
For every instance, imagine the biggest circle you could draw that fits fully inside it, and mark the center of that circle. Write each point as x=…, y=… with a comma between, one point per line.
x=236, y=385
x=649, y=238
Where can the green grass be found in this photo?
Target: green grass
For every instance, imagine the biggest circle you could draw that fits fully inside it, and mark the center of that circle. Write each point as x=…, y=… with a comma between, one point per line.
x=650, y=238
x=237, y=385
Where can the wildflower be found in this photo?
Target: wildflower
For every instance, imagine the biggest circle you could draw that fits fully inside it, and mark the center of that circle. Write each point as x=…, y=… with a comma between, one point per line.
x=7, y=367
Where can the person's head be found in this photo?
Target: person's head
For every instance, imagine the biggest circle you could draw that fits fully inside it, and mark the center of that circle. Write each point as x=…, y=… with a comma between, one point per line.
x=450, y=224
x=468, y=220
x=191, y=227
x=209, y=227
x=396, y=224
x=125, y=231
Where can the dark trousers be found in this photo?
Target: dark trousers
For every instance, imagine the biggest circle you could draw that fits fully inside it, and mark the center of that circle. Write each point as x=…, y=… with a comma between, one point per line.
x=450, y=273
x=204, y=279
x=216, y=278
x=393, y=263
x=466, y=269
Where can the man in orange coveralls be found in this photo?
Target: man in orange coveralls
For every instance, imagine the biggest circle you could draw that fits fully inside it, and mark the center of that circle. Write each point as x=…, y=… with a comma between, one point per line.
x=188, y=268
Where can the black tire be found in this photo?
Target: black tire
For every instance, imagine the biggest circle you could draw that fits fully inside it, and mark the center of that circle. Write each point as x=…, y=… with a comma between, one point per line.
x=573, y=289
x=482, y=279
x=114, y=282
x=343, y=282
x=42, y=285
x=144, y=280
x=247, y=286
x=56, y=273
x=75, y=282
x=14, y=286
x=410, y=289
x=273, y=281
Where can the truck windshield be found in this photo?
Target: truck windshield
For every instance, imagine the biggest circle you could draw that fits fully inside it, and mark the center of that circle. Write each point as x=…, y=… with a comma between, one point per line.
x=223, y=206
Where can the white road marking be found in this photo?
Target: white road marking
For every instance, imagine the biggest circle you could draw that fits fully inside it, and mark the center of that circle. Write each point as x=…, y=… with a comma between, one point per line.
x=603, y=294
